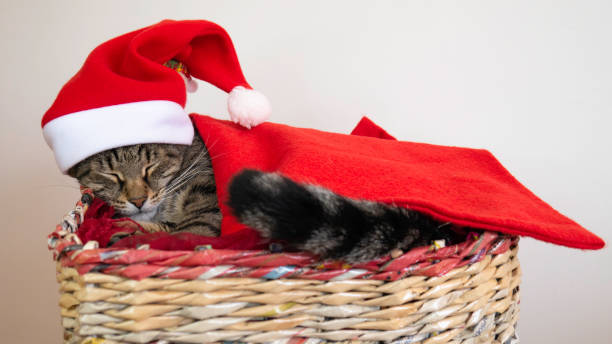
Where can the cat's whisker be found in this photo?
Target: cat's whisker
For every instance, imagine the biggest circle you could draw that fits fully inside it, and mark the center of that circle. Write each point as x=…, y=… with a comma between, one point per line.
x=207, y=139
x=218, y=155
x=185, y=173
x=170, y=190
x=209, y=147
x=180, y=180
x=185, y=180
x=188, y=174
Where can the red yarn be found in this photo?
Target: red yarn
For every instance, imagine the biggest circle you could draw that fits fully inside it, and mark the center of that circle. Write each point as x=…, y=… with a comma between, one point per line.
x=100, y=226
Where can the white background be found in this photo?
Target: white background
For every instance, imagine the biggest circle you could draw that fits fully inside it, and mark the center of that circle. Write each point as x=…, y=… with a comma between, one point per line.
x=528, y=80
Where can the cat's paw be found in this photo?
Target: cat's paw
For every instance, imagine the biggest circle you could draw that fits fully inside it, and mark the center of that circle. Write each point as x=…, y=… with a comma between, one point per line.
x=131, y=224
x=153, y=227
x=143, y=226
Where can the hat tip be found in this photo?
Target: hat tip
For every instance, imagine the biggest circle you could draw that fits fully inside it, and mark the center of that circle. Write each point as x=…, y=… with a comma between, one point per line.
x=248, y=107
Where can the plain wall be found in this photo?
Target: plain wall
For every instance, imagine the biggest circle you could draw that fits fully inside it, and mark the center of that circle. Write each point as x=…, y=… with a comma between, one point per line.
x=528, y=80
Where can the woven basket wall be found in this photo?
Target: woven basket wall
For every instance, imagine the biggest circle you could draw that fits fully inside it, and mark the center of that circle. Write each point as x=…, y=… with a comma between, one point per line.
x=465, y=293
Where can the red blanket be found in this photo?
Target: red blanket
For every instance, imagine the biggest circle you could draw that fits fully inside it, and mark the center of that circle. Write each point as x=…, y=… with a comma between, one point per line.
x=464, y=186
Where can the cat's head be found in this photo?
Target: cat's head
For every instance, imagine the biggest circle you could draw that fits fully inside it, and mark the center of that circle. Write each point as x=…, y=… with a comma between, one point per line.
x=132, y=179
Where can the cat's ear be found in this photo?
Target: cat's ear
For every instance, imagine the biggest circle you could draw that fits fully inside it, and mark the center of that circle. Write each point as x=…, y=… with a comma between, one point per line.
x=73, y=171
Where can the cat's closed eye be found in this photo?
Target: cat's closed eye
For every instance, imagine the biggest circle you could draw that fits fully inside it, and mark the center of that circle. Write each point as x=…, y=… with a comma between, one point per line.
x=148, y=170
x=114, y=176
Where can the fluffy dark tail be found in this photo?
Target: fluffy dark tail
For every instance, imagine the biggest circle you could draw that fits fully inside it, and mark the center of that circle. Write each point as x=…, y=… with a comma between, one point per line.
x=315, y=219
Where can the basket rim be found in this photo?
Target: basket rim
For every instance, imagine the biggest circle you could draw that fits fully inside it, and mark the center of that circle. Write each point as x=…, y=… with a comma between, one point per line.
x=144, y=262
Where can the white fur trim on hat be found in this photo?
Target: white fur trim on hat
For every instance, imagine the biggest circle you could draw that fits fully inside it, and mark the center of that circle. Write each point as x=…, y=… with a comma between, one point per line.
x=248, y=107
x=76, y=136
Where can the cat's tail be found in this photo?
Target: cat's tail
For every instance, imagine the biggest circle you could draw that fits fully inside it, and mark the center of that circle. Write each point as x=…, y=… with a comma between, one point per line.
x=314, y=219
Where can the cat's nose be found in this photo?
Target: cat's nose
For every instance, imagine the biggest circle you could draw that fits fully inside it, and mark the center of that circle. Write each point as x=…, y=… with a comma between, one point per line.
x=138, y=202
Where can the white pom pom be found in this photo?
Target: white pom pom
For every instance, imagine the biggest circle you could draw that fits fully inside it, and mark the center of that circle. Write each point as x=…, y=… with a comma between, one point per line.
x=248, y=107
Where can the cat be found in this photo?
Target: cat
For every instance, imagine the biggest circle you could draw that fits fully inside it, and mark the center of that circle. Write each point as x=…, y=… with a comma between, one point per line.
x=171, y=188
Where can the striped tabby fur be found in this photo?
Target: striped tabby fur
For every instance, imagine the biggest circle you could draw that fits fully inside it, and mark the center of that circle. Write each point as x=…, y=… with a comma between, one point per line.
x=315, y=219
x=171, y=188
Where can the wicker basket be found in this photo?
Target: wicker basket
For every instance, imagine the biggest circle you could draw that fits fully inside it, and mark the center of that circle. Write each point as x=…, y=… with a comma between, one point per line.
x=465, y=293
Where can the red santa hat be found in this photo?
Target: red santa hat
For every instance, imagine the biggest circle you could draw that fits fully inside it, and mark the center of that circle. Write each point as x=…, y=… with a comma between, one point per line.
x=124, y=94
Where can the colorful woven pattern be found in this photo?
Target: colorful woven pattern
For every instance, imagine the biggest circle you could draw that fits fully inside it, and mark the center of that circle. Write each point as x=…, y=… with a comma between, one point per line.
x=465, y=293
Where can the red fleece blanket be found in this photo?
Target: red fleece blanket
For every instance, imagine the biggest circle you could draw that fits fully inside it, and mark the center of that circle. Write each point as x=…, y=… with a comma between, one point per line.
x=468, y=187
x=465, y=186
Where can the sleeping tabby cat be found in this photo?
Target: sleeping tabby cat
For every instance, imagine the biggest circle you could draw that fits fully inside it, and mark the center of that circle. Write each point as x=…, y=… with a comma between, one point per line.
x=171, y=188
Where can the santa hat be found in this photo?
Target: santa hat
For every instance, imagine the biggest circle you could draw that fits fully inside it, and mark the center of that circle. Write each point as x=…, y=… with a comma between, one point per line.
x=125, y=94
